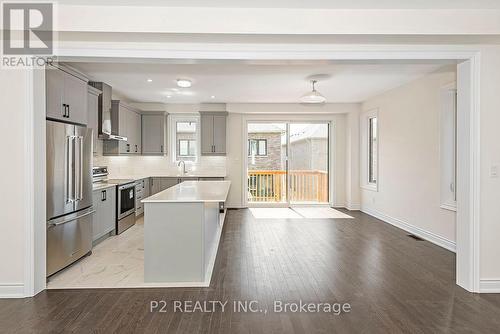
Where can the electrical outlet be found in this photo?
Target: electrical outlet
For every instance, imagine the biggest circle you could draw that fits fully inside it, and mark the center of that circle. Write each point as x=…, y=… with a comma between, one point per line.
x=494, y=171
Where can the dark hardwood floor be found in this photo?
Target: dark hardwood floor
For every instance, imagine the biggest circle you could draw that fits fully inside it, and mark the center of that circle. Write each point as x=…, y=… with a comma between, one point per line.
x=393, y=283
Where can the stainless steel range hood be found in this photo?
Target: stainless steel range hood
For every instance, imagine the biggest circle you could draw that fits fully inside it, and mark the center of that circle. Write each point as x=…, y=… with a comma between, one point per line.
x=107, y=130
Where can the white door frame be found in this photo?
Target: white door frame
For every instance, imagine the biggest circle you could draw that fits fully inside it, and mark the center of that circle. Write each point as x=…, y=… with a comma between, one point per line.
x=468, y=217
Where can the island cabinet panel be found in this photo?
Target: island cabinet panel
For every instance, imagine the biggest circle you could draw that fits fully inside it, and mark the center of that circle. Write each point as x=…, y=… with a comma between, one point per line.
x=166, y=240
x=213, y=133
x=153, y=134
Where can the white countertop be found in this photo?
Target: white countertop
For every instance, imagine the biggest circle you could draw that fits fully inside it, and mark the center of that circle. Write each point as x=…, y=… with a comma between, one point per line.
x=189, y=174
x=192, y=191
x=102, y=185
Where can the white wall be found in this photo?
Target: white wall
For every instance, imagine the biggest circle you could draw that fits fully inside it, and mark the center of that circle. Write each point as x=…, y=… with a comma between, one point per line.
x=277, y=20
x=409, y=167
x=490, y=156
x=14, y=88
x=240, y=113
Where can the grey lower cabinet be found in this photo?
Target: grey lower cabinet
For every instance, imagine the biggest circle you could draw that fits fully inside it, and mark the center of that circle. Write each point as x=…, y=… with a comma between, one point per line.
x=167, y=182
x=154, y=185
x=141, y=191
x=158, y=184
x=104, y=219
x=66, y=96
x=211, y=179
x=213, y=133
x=154, y=134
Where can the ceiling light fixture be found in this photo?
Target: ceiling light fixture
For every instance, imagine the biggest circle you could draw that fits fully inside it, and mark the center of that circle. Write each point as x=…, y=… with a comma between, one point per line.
x=313, y=96
x=212, y=97
x=184, y=83
x=169, y=96
x=150, y=80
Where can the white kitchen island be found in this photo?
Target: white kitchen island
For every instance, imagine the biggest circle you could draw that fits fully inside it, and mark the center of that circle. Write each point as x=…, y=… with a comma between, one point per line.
x=182, y=229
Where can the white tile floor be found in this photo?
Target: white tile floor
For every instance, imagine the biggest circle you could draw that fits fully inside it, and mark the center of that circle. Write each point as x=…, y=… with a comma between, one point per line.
x=116, y=262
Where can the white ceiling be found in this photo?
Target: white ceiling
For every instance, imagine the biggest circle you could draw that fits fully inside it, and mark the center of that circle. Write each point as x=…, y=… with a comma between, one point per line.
x=252, y=83
x=344, y=4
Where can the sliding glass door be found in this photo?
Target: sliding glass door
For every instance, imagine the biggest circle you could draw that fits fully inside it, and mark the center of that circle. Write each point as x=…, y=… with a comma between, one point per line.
x=287, y=163
x=267, y=172
x=308, y=163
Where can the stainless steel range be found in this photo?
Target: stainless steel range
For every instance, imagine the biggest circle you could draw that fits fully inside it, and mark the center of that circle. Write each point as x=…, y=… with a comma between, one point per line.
x=125, y=198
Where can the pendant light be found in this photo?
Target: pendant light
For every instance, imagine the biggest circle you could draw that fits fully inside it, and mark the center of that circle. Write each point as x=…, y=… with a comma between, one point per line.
x=314, y=96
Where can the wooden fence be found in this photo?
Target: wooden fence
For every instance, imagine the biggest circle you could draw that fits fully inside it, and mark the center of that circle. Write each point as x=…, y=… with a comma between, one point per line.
x=270, y=186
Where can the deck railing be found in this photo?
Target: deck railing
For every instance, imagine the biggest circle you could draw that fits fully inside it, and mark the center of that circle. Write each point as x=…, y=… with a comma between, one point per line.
x=271, y=186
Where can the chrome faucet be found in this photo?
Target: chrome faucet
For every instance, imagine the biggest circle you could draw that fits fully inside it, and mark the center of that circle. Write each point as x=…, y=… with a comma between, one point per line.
x=183, y=166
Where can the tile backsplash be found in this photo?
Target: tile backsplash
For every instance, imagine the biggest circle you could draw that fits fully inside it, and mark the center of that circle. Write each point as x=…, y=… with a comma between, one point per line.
x=126, y=166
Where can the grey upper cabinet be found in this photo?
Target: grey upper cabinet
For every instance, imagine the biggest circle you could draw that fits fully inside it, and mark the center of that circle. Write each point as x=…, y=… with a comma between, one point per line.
x=220, y=134
x=92, y=117
x=66, y=96
x=213, y=133
x=153, y=134
x=129, y=122
x=207, y=134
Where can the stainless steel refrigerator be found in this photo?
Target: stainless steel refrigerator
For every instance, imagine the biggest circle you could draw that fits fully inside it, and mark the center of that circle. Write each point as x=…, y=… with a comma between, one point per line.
x=69, y=194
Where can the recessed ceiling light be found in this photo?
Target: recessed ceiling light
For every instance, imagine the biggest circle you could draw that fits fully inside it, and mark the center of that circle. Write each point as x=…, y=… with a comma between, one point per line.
x=212, y=97
x=169, y=96
x=150, y=80
x=184, y=83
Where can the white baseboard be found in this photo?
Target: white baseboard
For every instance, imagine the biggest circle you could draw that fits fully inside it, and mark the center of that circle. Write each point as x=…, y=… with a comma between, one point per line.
x=353, y=207
x=15, y=290
x=429, y=236
x=489, y=286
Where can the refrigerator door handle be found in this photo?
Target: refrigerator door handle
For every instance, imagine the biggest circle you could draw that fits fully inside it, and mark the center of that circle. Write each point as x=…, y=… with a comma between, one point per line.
x=70, y=176
x=76, y=168
x=80, y=170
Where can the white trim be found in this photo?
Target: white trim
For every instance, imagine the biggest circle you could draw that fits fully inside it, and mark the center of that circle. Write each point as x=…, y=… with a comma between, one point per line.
x=289, y=119
x=29, y=184
x=238, y=52
x=353, y=206
x=427, y=235
x=449, y=207
x=13, y=290
x=183, y=117
x=489, y=286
